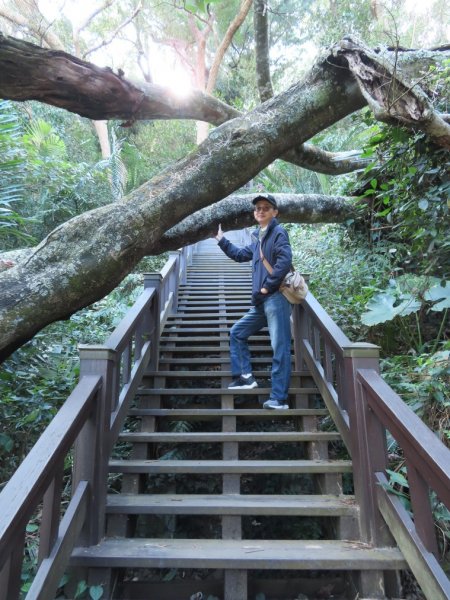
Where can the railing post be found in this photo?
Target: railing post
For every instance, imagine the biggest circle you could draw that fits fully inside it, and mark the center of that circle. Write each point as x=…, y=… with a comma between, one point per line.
x=182, y=264
x=92, y=447
x=175, y=280
x=368, y=441
x=420, y=501
x=300, y=329
x=153, y=280
x=185, y=262
x=10, y=572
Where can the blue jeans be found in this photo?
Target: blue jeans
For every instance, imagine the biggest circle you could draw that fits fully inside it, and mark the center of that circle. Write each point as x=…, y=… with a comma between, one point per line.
x=274, y=312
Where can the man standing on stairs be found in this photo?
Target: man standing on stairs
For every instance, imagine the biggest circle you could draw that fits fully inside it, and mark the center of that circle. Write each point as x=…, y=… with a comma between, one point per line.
x=270, y=307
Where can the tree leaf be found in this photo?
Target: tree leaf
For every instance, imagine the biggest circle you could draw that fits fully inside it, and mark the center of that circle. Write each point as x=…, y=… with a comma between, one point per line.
x=396, y=477
x=81, y=588
x=439, y=292
x=6, y=442
x=96, y=592
x=381, y=308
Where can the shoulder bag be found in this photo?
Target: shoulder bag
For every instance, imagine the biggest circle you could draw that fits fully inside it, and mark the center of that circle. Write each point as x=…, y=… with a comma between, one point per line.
x=294, y=287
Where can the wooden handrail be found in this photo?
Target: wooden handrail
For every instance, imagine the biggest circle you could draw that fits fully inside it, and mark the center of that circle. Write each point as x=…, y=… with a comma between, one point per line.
x=125, y=329
x=34, y=480
x=428, y=468
x=419, y=444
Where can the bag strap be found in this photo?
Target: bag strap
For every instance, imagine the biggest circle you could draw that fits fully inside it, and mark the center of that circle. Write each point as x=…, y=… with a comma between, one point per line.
x=266, y=263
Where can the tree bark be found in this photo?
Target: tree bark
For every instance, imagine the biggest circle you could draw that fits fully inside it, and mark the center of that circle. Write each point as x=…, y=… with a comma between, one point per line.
x=28, y=72
x=235, y=212
x=261, y=25
x=85, y=258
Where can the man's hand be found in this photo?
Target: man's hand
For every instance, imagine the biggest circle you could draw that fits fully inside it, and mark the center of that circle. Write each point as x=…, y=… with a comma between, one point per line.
x=219, y=234
x=264, y=291
x=6, y=264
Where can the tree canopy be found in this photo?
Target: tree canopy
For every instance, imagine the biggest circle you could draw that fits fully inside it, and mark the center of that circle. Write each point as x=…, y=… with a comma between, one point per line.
x=86, y=257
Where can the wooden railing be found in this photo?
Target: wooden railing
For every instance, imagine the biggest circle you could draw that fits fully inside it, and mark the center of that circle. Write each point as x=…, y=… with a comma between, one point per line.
x=88, y=425
x=364, y=408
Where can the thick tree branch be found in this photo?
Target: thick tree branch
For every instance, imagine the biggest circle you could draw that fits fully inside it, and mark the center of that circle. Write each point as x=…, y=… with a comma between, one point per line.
x=236, y=211
x=32, y=73
x=315, y=159
x=28, y=72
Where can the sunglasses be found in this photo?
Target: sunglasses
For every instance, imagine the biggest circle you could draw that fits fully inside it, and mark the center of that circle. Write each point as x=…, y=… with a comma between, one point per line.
x=263, y=208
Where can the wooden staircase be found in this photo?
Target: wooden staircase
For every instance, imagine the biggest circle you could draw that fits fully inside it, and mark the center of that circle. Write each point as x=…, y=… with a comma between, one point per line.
x=211, y=494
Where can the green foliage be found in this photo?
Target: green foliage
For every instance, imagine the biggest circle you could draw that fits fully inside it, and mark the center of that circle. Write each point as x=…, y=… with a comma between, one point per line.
x=117, y=168
x=199, y=6
x=407, y=188
x=423, y=381
x=57, y=189
x=95, y=592
x=410, y=295
x=399, y=486
x=344, y=271
x=381, y=307
x=36, y=174
x=79, y=136
x=155, y=146
x=12, y=169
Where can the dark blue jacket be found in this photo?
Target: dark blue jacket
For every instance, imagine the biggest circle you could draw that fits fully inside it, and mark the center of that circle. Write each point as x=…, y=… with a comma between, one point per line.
x=276, y=250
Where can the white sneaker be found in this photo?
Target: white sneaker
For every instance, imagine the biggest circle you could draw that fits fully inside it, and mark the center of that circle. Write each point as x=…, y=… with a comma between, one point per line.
x=275, y=405
x=243, y=383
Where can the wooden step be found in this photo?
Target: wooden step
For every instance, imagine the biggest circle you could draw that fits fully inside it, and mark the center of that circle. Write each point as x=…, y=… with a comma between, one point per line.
x=185, y=413
x=218, y=360
x=194, y=319
x=210, y=374
x=208, y=294
x=219, y=391
x=189, y=332
x=207, y=309
x=218, y=328
x=171, y=338
x=232, y=504
x=258, y=437
x=202, y=324
x=230, y=466
x=237, y=554
x=208, y=349
x=229, y=287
